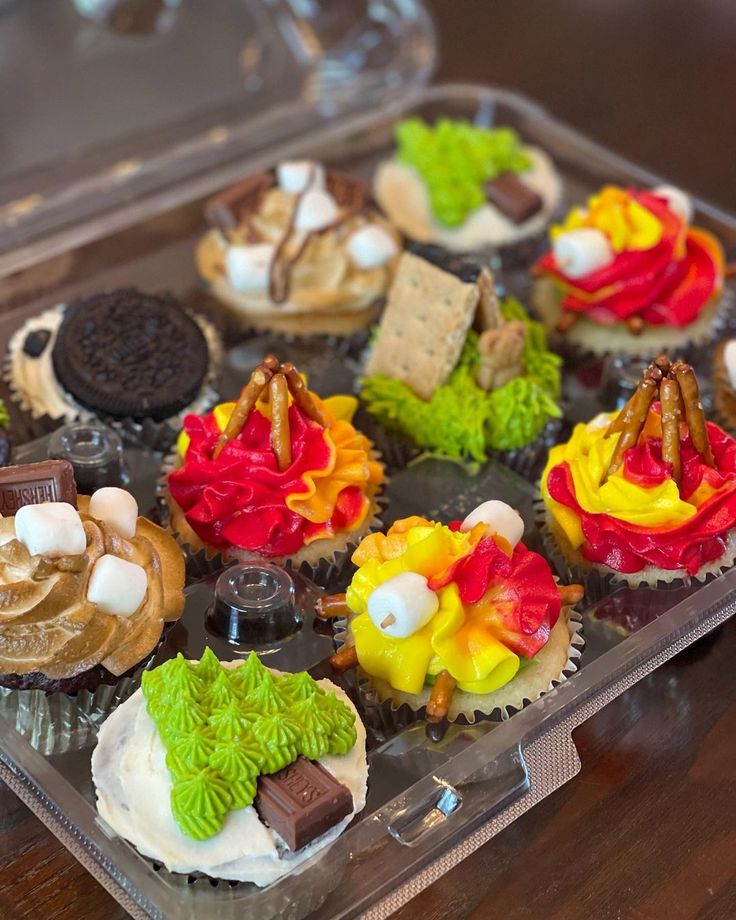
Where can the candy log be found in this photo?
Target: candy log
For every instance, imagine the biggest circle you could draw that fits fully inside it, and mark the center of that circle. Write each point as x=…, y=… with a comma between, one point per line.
x=280, y=434
x=669, y=394
x=248, y=398
x=694, y=414
x=345, y=659
x=440, y=698
x=331, y=607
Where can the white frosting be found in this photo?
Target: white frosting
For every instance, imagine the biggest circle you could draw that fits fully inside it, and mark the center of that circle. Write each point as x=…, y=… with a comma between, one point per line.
x=116, y=586
x=249, y=267
x=500, y=519
x=403, y=196
x=117, y=508
x=371, y=247
x=133, y=796
x=677, y=201
x=50, y=529
x=729, y=360
x=402, y=605
x=580, y=252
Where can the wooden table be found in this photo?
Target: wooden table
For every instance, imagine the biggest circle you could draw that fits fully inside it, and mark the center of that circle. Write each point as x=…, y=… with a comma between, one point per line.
x=648, y=828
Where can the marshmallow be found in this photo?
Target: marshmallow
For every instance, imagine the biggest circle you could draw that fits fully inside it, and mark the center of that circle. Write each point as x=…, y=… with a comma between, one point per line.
x=404, y=604
x=500, y=518
x=729, y=359
x=249, y=267
x=371, y=247
x=580, y=252
x=50, y=529
x=677, y=201
x=316, y=209
x=296, y=176
x=117, y=586
x=117, y=508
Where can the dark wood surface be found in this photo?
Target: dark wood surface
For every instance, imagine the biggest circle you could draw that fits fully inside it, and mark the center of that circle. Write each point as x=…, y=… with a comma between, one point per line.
x=648, y=828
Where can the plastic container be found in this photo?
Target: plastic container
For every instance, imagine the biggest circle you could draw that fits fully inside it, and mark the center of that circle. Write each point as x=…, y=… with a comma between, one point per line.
x=430, y=804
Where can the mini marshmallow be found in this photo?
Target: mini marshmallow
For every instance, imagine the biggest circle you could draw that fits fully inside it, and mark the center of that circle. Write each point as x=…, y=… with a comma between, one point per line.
x=729, y=359
x=249, y=267
x=371, y=247
x=296, y=176
x=581, y=252
x=500, y=518
x=50, y=529
x=316, y=209
x=117, y=586
x=677, y=201
x=404, y=604
x=117, y=508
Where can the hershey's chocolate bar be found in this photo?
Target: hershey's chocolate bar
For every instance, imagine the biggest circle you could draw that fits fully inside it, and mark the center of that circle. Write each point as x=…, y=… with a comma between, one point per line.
x=34, y=483
x=513, y=198
x=226, y=210
x=302, y=802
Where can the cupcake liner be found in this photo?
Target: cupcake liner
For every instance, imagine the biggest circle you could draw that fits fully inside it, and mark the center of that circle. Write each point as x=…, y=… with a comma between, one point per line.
x=152, y=434
x=529, y=461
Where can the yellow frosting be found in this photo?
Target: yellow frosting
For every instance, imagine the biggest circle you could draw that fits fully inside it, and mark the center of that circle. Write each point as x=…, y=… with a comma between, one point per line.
x=627, y=224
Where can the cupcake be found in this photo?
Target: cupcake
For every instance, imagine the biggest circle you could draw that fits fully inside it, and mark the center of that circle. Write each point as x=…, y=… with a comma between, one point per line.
x=298, y=250
x=281, y=475
x=628, y=273
x=118, y=356
x=724, y=383
x=461, y=619
x=466, y=187
x=454, y=391
x=231, y=770
x=647, y=494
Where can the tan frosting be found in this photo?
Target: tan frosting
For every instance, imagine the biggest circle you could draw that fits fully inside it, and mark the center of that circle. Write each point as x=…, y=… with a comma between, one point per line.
x=48, y=625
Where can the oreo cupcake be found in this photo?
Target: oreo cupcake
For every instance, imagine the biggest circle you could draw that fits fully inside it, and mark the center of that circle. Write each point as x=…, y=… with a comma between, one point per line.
x=132, y=359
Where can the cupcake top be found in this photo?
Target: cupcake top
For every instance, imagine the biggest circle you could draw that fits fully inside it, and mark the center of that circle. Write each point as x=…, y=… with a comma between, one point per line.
x=464, y=186
x=276, y=471
x=298, y=240
x=83, y=586
x=649, y=488
x=214, y=745
x=631, y=257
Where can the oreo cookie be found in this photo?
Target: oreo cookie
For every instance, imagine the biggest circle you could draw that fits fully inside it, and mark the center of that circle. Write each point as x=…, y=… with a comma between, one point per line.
x=126, y=354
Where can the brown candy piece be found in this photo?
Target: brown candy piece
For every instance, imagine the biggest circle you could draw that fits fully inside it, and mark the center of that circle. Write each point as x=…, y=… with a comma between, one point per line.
x=513, y=198
x=302, y=802
x=34, y=483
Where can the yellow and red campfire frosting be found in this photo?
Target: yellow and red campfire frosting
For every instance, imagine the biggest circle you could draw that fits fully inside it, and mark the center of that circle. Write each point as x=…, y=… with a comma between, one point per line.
x=639, y=517
x=495, y=604
x=663, y=270
x=243, y=500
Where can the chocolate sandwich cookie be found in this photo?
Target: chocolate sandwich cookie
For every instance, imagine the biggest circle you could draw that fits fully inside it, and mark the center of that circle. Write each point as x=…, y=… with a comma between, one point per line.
x=130, y=355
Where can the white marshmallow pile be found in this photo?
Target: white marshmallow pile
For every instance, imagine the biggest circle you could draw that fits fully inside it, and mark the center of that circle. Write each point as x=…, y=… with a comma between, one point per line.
x=294, y=176
x=371, y=247
x=316, y=209
x=249, y=267
x=581, y=252
x=117, y=586
x=677, y=201
x=499, y=518
x=402, y=605
x=117, y=508
x=50, y=529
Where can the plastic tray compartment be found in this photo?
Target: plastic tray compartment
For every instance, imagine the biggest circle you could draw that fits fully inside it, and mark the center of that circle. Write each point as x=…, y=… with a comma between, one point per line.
x=430, y=804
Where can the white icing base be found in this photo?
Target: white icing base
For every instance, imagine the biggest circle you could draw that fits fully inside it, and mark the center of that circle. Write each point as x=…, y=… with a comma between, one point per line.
x=134, y=792
x=403, y=196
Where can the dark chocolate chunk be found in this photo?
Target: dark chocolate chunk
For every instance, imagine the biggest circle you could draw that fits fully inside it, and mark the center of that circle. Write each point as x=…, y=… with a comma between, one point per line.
x=302, y=802
x=513, y=198
x=34, y=483
x=36, y=342
x=226, y=209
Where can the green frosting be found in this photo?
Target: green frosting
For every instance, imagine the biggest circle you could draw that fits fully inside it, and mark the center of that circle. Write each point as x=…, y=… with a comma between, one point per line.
x=224, y=727
x=455, y=159
x=463, y=422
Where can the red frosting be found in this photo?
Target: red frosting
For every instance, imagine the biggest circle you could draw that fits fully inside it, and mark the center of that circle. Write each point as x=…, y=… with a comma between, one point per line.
x=701, y=539
x=240, y=498
x=661, y=285
x=524, y=603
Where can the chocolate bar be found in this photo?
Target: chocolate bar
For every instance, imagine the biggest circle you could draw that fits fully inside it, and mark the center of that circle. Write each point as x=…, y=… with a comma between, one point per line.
x=226, y=210
x=34, y=483
x=302, y=802
x=513, y=198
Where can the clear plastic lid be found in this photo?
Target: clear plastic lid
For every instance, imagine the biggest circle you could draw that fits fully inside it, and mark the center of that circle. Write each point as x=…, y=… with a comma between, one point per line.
x=106, y=102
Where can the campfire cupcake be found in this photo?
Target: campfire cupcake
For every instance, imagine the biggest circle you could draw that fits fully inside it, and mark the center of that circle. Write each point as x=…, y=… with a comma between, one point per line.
x=299, y=250
x=460, y=619
x=280, y=474
x=647, y=494
x=230, y=769
x=629, y=273
x=466, y=187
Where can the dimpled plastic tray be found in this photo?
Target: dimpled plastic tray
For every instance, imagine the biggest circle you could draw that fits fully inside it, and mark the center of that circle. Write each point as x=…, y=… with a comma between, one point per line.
x=429, y=804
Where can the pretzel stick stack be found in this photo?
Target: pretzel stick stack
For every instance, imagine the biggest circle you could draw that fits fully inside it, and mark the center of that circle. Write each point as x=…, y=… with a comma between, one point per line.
x=274, y=383
x=676, y=387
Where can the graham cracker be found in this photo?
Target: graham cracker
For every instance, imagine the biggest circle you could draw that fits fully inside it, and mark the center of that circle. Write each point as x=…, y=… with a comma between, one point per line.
x=424, y=326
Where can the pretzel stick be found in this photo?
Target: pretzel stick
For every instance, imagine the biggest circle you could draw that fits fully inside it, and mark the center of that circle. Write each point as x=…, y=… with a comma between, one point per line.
x=632, y=407
x=694, y=414
x=280, y=434
x=669, y=394
x=570, y=594
x=239, y=416
x=301, y=395
x=331, y=606
x=345, y=659
x=633, y=423
x=438, y=705
x=271, y=363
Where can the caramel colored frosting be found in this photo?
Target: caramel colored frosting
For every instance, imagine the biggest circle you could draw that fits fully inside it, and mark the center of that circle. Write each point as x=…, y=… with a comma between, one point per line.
x=48, y=625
